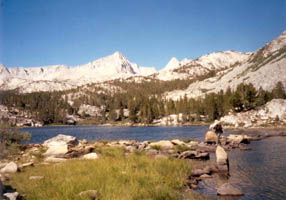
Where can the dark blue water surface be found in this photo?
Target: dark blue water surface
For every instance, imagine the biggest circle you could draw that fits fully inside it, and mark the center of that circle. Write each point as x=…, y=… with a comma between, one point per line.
x=260, y=173
x=94, y=133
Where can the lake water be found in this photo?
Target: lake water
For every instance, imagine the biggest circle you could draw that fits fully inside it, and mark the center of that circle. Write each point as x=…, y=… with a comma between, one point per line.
x=95, y=133
x=260, y=173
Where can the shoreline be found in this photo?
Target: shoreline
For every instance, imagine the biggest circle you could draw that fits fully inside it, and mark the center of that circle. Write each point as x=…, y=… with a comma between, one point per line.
x=155, y=125
x=181, y=150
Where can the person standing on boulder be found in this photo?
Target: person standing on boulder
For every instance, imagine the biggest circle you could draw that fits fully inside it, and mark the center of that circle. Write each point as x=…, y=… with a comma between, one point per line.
x=218, y=130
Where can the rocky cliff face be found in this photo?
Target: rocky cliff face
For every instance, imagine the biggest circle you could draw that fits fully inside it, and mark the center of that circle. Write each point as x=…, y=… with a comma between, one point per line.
x=274, y=112
x=263, y=68
x=16, y=117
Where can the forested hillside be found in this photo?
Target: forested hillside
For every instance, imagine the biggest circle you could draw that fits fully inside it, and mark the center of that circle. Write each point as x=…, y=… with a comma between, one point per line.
x=129, y=101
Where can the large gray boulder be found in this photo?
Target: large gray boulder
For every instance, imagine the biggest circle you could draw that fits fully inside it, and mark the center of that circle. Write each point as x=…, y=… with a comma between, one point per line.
x=57, y=150
x=11, y=167
x=229, y=189
x=222, y=159
x=60, y=140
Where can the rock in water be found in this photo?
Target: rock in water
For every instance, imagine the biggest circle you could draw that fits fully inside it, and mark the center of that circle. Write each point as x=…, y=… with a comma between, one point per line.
x=229, y=189
x=60, y=140
x=222, y=159
x=11, y=167
x=210, y=137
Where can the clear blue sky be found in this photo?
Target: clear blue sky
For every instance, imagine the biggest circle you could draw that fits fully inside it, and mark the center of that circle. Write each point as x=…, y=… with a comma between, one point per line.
x=148, y=32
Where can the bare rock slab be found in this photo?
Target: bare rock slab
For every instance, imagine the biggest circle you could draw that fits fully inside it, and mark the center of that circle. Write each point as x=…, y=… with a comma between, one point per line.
x=229, y=189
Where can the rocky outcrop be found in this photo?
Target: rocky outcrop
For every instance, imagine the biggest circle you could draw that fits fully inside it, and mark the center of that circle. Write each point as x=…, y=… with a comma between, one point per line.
x=16, y=117
x=171, y=120
x=274, y=112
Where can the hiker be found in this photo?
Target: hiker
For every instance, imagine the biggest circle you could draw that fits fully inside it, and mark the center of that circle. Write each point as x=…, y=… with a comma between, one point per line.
x=218, y=130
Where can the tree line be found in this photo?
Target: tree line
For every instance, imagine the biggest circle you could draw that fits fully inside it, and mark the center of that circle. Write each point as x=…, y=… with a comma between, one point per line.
x=145, y=102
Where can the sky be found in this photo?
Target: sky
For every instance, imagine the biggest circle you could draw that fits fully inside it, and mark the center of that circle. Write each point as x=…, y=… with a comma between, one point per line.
x=148, y=32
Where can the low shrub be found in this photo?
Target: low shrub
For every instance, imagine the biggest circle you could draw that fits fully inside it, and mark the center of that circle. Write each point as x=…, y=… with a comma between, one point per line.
x=11, y=141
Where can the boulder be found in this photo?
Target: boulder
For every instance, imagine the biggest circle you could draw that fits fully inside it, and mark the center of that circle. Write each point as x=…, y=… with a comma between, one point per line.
x=60, y=140
x=210, y=137
x=221, y=156
x=222, y=159
x=163, y=144
x=188, y=155
x=152, y=152
x=11, y=167
x=194, y=155
x=57, y=150
x=237, y=139
x=12, y=196
x=197, y=172
x=90, y=156
x=203, y=156
x=205, y=176
x=229, y=189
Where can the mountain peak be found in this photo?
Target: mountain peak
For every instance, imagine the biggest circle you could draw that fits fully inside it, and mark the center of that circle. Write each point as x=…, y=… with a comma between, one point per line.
x=274, y=45
x=119, y=55
x=172, y=64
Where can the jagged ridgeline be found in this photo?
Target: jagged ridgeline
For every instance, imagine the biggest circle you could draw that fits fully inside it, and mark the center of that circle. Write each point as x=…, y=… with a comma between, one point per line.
x=113, y=89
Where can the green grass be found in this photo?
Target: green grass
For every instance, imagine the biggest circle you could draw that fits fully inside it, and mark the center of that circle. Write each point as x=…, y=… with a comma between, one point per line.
x=113, y=176
x=182, y=148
